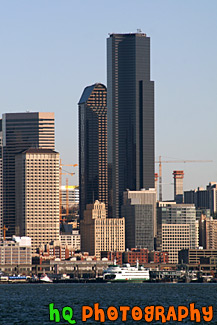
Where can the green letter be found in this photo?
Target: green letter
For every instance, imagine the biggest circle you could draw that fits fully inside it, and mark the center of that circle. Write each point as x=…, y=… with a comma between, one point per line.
x=54, y=312
x=68, y=316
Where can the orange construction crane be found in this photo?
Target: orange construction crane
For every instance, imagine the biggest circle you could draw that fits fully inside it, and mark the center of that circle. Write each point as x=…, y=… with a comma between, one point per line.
x=4, y=231
x=67, y=196
x=60, y=192
x=173, y=161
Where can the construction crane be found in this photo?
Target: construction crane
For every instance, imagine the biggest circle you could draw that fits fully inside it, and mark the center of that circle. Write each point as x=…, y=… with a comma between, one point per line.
x=60, y=192
x=4, y=232
x=173, y=161
x=67, y=196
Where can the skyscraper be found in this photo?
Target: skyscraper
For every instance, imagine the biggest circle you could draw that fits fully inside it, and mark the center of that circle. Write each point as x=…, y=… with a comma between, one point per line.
x=178, y=176
x=21, y=131
x=93, y=180
x=139, y=210
x=98, y=233
x=130, y=116
x=1, y=183
x=37, y=195
x=176, y=228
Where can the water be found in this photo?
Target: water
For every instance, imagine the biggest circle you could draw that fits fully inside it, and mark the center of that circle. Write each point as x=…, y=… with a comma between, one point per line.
x=29, y=303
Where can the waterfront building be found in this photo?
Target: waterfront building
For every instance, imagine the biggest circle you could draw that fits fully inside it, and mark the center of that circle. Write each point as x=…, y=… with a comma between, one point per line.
x=21, y=131
x=93, y=178
x=37, y=195
x=112, y=256
x=158, y=257
x=176, y=228
x=99, y=233
x=16, y=251
x=136, y=254
x=55, y=250
x=203, y=198
x=195, y=256
x=139, y=211
x=130, y=117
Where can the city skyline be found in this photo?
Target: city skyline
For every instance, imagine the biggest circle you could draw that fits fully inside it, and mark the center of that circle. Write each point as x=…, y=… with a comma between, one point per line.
x=41, y=67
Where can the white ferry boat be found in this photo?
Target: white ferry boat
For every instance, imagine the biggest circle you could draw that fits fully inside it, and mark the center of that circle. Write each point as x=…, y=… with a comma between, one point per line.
x=126, y=273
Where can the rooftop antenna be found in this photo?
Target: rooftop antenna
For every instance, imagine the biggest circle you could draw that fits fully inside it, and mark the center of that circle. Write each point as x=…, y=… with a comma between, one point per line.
x=139, y=30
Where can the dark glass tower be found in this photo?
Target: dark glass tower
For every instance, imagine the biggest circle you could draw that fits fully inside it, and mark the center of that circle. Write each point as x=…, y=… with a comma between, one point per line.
x=21, y=131
x=93, y=180
x=130, y=116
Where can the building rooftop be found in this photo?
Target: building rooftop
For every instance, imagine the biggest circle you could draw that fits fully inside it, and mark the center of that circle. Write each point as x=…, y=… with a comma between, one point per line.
x=38, y=151
x=87, y=92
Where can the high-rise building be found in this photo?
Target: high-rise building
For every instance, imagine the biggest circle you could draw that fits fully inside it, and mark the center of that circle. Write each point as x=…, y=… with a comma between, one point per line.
x=139, y=210
x=203, y=198
x=177, y=229
x=93, y=179
x=208, y=232
x=15, y=254
x=178, y=176
x=20, y=132
x=98, y=233
x=37, y=195
x=1, y=182
x=130, y=116
x=70, y=193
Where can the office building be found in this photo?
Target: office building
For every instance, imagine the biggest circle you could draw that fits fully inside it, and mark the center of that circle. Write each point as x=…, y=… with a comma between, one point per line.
x=72, y=239
x=73, y=195
x=99, y=233
x=208, y=232
x=158, y=257
x=1, y=182
x=113, y=256
x=211, y=233
x=37, y=195
x=174, y=238
x=16, y=251
x=203, y=198
x=139, y=211
x=136, y=254
x=20, y=132
x=54, y=250
x=93, y=179
x=130, y=117
x=177, y=229
x=196, y=256
x=178, y=176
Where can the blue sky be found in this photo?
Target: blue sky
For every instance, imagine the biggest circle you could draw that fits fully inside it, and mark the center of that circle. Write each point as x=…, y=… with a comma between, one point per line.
x=51, y=50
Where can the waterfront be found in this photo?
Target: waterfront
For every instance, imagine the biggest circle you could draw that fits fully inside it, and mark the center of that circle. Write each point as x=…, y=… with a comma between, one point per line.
x=29, y=303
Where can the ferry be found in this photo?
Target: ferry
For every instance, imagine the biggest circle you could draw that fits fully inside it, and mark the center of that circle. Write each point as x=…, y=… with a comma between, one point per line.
x=18, y=278
x=126, y=273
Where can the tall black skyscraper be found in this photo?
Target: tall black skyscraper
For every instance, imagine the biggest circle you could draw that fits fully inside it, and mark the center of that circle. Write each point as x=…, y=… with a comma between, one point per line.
x=93, y=146
x=130, y=103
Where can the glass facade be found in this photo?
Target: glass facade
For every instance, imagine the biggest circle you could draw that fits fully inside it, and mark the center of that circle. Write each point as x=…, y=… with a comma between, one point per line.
x=20, y=132
x=130, y=117
x=93, y=179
